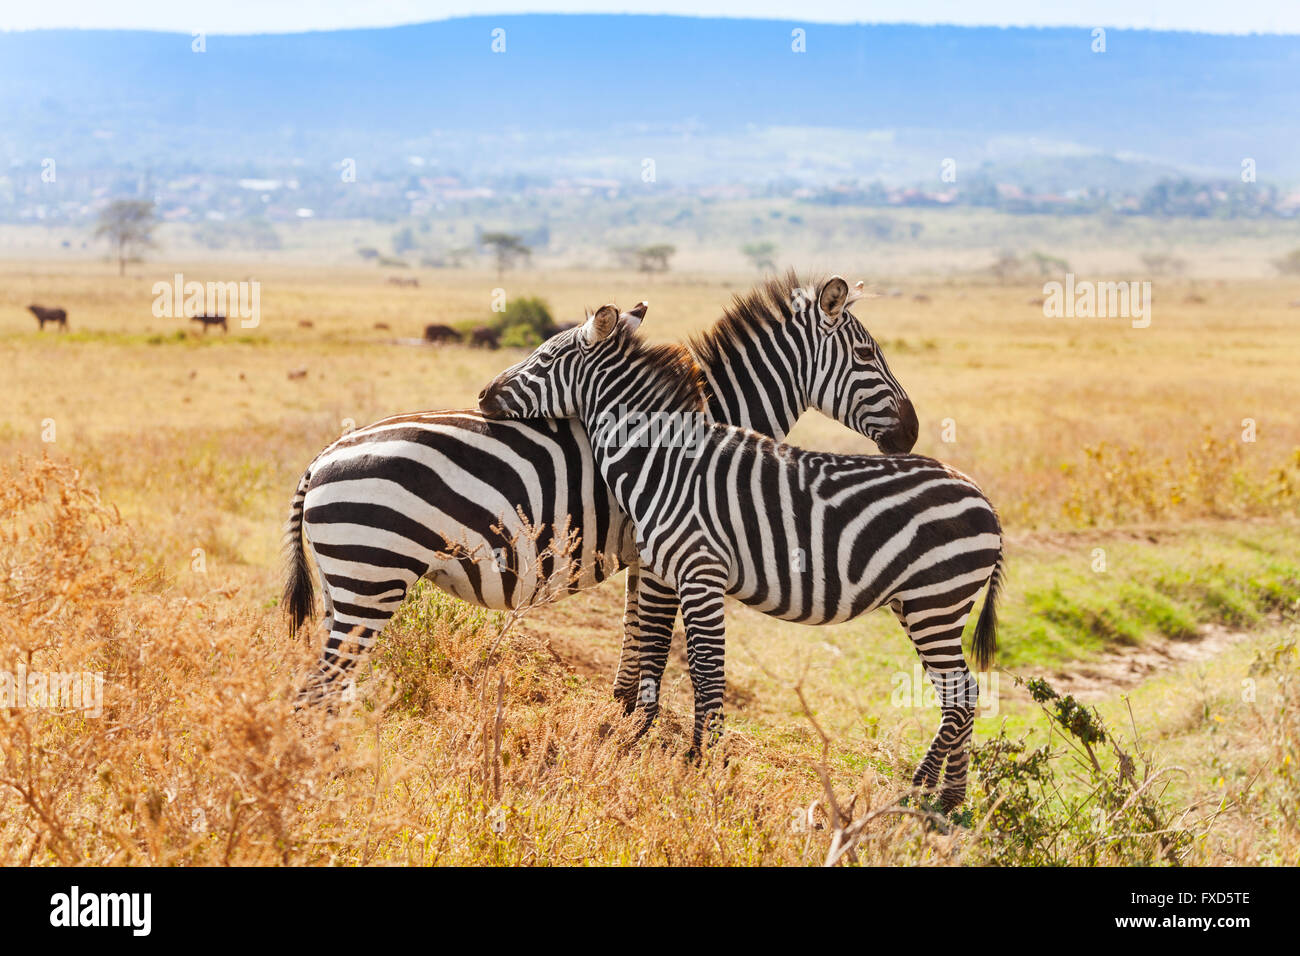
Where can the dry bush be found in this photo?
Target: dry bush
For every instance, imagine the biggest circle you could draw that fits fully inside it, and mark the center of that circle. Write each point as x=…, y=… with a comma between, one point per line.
x=1115, y=484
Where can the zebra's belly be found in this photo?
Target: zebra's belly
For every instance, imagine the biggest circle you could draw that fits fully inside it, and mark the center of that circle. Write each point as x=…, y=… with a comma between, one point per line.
x=499, y=513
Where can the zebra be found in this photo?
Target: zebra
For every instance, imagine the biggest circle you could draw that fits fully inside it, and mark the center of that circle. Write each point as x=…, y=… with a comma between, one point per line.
x=803, y=536
x=434, y=494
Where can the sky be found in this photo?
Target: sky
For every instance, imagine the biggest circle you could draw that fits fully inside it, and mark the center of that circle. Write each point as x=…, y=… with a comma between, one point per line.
x=291, y=16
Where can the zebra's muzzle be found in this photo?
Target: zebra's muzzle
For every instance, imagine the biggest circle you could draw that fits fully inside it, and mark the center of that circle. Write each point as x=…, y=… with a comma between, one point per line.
x=490, y=404
x=900, y=439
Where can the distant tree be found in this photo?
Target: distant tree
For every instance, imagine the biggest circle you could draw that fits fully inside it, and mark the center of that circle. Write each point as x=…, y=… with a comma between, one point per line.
x=456, y=257
x=128, y=225
x=1288, y=265
x=761, y=254
x=654, y=258
x=508, y=249
x=368, y=252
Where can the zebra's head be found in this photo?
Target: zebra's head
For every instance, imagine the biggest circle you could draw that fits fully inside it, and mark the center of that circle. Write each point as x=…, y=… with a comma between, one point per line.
x=848, y=378
x=549, y=383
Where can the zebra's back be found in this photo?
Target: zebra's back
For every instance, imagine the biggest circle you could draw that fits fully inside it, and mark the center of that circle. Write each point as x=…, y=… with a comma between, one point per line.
x=436, y=494
x=820, y=538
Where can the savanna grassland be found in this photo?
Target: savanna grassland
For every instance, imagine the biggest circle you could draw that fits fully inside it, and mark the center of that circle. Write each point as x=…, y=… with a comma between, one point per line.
x=1148, y=479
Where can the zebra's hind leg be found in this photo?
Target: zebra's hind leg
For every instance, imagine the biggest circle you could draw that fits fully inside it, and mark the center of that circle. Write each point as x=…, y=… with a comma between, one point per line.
x=356, y=617
x=625, y=681
x=657, y=613
x=936, y=632
x=332, y=680
x=701, y=597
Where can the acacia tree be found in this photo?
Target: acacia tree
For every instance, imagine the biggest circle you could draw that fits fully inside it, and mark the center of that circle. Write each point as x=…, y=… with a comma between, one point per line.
x=128, y=224
x=654, y=258
x=507, y=247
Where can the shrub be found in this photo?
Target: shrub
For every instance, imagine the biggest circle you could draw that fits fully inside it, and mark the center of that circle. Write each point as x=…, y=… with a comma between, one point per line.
x=520, y=336
x=528, y=311
x=1091, y=808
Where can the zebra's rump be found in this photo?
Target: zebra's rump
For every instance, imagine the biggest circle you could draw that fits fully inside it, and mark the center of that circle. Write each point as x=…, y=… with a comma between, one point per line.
x=474, y=504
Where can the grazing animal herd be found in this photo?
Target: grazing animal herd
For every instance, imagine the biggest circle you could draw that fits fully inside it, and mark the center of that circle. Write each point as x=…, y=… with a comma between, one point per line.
x=599, y=452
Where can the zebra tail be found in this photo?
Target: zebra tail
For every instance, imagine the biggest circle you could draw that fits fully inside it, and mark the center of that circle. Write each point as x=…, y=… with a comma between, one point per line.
x=299, y=596
x=986, y=628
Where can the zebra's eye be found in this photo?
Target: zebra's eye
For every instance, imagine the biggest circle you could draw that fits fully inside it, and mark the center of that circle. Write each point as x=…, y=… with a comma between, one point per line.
x=545, y=358
x=864, y=353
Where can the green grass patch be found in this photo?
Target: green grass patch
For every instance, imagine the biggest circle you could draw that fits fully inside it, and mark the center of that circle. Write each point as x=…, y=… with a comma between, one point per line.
x=1060, y=609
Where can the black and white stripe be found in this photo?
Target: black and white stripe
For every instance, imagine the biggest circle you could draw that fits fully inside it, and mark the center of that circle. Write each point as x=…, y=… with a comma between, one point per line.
x=438, y=494
x=808, y=537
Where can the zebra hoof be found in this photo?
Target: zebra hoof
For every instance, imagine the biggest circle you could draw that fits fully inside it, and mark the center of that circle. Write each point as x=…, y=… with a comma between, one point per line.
x=925, y=778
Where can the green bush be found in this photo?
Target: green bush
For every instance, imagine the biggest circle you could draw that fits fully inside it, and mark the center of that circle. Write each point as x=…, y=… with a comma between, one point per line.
x=1105, y=806
x=520, y=336
x=528, y=311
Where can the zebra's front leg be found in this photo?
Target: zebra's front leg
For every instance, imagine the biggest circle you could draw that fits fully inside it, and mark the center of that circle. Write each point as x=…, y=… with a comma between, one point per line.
x=701, y=597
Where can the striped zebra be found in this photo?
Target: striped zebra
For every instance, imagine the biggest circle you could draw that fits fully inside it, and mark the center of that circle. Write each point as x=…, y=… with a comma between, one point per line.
x=802, y=536
x=451, y=496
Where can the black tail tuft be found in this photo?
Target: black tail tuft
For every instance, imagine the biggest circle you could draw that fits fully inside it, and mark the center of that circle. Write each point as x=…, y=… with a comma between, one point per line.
x=299, y=595
x=986, y=628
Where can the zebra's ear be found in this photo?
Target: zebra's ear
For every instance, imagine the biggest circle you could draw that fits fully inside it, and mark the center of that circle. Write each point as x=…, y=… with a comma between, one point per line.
x=832, y=298
x=601, y=324
x=633, y=317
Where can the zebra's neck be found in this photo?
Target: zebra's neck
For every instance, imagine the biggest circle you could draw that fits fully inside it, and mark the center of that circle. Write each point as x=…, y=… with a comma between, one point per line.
x=645, y=429
x=756, y=376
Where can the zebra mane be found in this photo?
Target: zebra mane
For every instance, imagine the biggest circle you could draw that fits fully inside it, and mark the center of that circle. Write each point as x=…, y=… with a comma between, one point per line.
x=670, y=369
x=765, y=305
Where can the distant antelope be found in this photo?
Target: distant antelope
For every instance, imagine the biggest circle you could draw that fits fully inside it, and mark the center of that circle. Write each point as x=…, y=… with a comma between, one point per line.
x=485, y=338
x=211, y=320
x=43, y=315
x=438, y=334
x=400, y=281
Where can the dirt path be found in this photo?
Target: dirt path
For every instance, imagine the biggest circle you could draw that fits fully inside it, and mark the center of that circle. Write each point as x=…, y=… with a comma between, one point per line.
x=1126, y=667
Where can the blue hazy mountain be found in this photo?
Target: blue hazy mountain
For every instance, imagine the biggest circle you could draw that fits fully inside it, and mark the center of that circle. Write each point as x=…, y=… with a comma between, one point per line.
x=568, y=89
